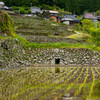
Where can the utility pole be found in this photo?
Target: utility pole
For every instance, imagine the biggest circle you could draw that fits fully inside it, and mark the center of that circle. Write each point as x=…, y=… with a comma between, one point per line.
x=95, y=21
x=19, y=11
x=31, y=7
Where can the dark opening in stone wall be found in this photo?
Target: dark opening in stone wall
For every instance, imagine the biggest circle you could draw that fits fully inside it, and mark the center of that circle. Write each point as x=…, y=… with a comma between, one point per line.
x=57, y=61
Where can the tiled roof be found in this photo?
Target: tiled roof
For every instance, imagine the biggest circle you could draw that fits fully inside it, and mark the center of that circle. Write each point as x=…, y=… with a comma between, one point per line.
x=89, y=16
x=69, y=17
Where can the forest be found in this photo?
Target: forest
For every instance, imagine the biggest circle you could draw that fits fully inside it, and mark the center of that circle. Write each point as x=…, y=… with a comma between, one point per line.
x=74, y=6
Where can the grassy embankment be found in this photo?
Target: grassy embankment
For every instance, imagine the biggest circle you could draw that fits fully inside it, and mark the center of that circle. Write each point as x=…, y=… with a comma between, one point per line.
x=43, y=27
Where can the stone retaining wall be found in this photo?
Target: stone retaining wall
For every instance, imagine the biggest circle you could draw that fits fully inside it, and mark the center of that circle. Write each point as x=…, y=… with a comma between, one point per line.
x=45, y=39
x=12, y=54
x=66, y=56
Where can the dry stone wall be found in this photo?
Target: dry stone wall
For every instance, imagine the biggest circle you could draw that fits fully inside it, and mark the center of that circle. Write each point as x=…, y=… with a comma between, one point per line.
x=12, y=54
x=66, y=56
x=45, y=39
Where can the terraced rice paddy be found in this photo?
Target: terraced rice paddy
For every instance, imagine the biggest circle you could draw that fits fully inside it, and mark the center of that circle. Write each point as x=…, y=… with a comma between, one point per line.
x=75, y=83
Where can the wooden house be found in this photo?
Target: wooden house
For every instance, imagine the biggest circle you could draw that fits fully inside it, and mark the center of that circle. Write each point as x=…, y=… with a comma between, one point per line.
x=70, y=19
x=51, y=14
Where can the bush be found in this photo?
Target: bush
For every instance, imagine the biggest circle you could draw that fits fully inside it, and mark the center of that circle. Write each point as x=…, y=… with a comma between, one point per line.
x=22, y=10
x=86, y=25
x=47, y=7
x=29, y=11
x=95, y=35
x=16, y=8
x=98, y=13
x=57, y=70
x=78, y=27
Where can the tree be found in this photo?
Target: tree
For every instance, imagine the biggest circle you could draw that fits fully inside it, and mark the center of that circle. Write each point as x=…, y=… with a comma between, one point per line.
x=98, y=13
x=95, y=35
x=86, y=25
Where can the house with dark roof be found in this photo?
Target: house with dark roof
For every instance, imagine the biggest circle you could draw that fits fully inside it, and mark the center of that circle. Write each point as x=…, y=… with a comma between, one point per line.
x=70, y=19
x=35, y=10
x=1, y=4
x=51, y=14
x=3, y=7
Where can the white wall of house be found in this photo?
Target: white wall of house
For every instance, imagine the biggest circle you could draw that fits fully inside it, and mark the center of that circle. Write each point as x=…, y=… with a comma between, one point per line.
x=67, y=22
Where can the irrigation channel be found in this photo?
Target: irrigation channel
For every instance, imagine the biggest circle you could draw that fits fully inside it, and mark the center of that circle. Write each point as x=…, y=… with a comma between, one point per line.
x=50, y=83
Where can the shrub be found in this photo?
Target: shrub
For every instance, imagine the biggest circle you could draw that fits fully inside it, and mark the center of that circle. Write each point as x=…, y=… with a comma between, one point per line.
x=16, y=8
x=95, y=35
x=57, y=70
x=98, y=13
x=29, y=11
x=47, y=7
x=86, y=25
x=22, y=10
x=6, y=25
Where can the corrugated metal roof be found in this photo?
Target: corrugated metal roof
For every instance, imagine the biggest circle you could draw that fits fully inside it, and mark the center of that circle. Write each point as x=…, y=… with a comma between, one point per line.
x=52, y=11
x=69, y=17
x=36, y=9
x=2, y=3
x=55, y=12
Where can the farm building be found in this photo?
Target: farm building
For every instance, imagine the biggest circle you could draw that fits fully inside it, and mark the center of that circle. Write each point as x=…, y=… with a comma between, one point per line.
x=70, y=19
x=55, y=18
x=3, y=7
x=35, y=10
x=89, y=16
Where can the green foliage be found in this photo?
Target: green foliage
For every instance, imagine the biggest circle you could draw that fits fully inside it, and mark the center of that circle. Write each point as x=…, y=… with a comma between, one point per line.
x=6, y=25
x=78, y=27
x=77, y=6
x=98, y=13
x=96, y=92
x=29, y=11
x=47, y=7
x=15, y=8
x=95, y=35
x=22, y=10
x=86, y=25
x=57, y=70
x=22, y=40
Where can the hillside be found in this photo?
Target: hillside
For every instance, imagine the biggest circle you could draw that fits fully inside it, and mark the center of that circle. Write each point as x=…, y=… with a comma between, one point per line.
x=74, y=6
x=39, y=62
x=39, y=26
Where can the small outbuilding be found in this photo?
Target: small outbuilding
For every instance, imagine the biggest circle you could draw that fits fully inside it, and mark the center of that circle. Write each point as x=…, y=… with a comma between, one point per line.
x=35, y=10
x=70, y=19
